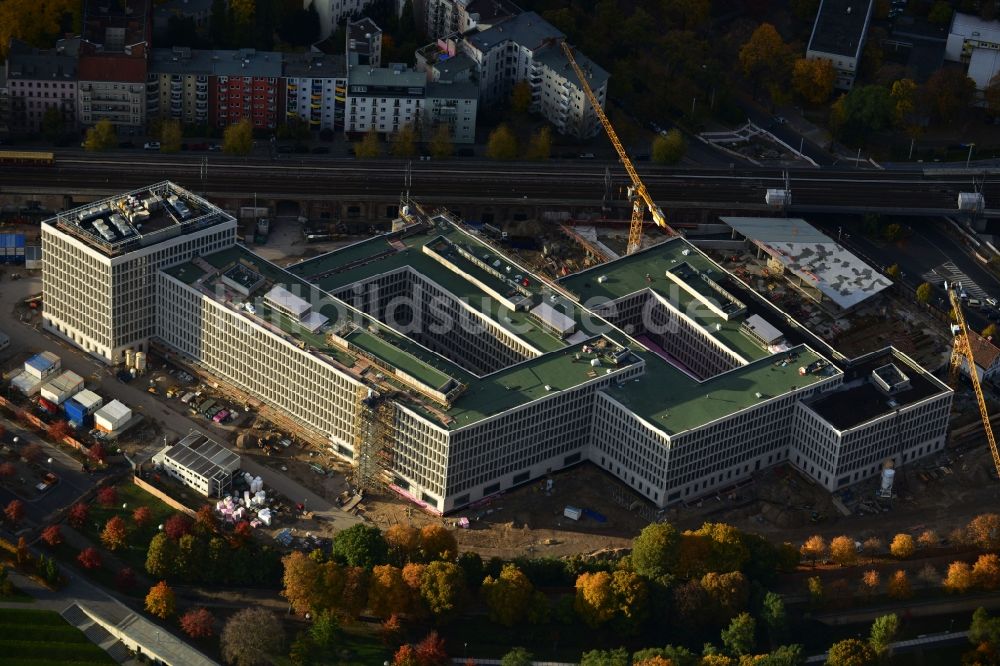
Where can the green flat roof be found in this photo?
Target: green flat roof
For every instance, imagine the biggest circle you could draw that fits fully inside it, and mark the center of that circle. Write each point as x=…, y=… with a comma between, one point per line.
x=187, y=272
x=627, y=275
x=664, y=395
x=673, y=402
x=396, y=357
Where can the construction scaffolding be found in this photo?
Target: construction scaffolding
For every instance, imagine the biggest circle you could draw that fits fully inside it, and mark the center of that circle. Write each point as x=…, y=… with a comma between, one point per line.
x=373, y=440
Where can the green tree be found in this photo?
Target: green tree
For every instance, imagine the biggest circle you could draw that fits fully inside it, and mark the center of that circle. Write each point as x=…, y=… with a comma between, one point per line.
x=815, y=590
x=443, y=589
x=53, y=124
x=161, y=556
x=508, y=596
x=924, y=292
x=850, y=652
x=237, y=139
x=893, y=271
x=502, y=144
x=655, y=551
x=361, y=546
x=984, y=629
x=440, y=145
x=540, y=146
x=805, y=10
x=773, y=614
x=813, y=79
x=517, y=657
x=369, y=147
x=669, y=148
x=883, y=633
x=738, y=637
x=102, y=136
x=989, y=331
x=866, y=109
x=170, y=136
x=617, y=657
x=404, y=142
x=520, y=97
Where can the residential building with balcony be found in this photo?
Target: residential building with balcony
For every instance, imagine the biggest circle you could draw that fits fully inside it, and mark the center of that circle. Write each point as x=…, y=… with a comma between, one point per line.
x=113, y=65
x=389, y=98
x=363, y=45
x=178, y=84
x=525, y=48
x=39, y=80
x=246, y=84
x=315, y=87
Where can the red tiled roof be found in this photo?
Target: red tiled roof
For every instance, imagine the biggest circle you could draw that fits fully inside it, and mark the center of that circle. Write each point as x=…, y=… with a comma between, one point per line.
x=984, y=351
x=113, y=67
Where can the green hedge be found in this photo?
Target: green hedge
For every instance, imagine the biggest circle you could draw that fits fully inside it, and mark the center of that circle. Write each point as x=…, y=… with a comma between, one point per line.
x=42, y=634
x=62, y=652
x=31, y=616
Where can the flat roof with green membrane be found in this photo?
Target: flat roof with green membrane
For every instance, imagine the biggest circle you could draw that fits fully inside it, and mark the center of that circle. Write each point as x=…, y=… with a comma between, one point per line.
x=673, y=402
x=394, y=356
x=628, y=275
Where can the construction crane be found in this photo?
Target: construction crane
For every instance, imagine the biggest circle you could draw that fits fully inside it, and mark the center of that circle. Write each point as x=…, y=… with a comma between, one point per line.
x=961, y=351
x=637, y=191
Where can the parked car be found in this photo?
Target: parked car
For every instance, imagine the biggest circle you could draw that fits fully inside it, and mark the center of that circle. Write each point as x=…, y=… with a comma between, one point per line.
x=221, y=416
x=215, y=147
x=151, y=145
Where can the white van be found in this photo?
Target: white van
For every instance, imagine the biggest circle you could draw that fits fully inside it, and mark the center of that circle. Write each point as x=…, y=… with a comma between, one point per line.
x=975, y=303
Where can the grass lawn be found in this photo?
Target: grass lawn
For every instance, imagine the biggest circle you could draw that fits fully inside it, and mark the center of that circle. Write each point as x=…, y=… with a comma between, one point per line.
x=40, y=638
x=134, y=552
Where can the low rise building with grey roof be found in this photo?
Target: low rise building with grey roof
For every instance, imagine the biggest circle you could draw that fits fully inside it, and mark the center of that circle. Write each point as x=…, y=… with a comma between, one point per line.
x=200, y=463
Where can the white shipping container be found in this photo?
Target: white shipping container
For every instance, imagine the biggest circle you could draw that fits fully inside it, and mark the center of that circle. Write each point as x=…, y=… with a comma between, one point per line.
x=112, y=416
x=62, y=387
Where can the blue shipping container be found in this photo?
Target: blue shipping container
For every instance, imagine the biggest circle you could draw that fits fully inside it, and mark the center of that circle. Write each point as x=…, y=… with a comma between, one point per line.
x=75, y=411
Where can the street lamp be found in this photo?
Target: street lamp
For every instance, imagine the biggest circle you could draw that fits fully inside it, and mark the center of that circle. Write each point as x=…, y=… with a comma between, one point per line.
x=969, y=156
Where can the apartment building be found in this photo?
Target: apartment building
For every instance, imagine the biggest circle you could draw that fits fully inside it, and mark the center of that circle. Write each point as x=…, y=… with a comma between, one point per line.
x=100, y=262
x=200, y=463
x=363, y=45
x=447, y=17
x=394, y=351
x=246, y=85
x=839, y=34
x=389, y=98
x=315, y=89
x=526, y=48
x=112, y=68
x=39, y=80
x=178, y=84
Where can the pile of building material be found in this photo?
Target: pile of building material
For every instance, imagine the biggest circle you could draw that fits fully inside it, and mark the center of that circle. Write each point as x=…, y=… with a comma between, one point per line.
x=254, y=505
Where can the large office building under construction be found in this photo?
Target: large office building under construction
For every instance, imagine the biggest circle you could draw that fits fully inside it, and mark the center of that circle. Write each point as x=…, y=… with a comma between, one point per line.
x=442, y=368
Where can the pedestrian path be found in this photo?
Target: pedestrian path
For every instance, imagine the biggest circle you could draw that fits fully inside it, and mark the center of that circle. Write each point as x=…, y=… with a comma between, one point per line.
x=950, y=272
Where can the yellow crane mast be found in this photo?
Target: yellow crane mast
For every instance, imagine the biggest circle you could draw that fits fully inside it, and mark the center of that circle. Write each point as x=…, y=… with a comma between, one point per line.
x=637, y=191
x=962, y=350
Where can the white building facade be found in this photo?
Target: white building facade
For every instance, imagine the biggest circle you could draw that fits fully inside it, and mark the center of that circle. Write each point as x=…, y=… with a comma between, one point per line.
x=101, y=296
